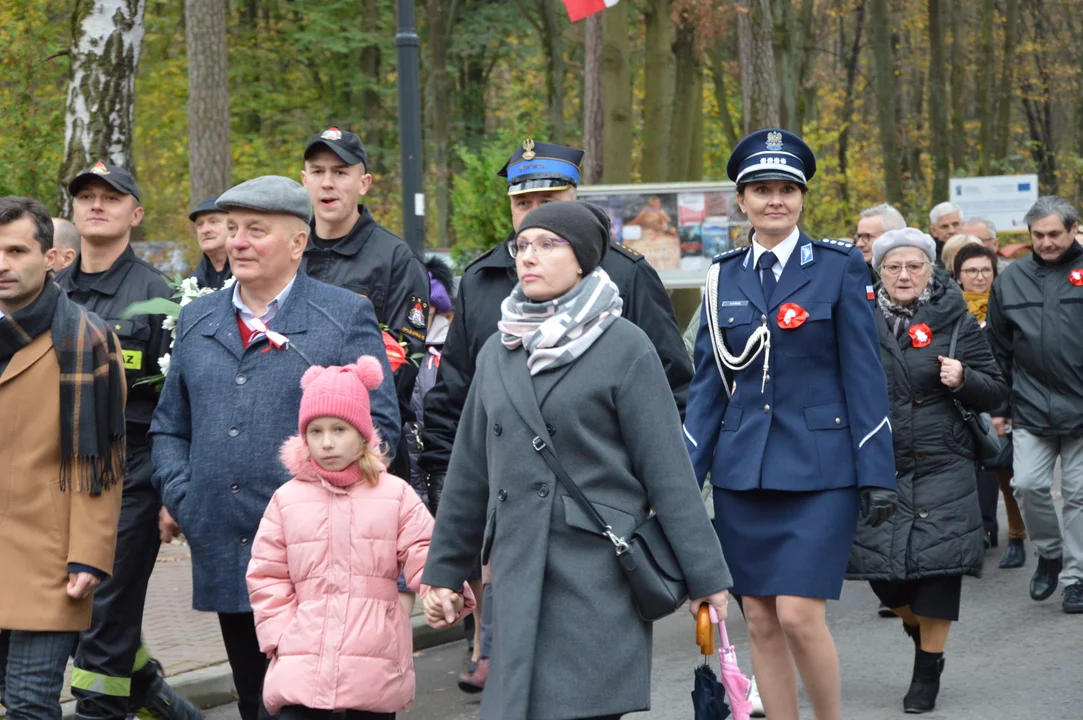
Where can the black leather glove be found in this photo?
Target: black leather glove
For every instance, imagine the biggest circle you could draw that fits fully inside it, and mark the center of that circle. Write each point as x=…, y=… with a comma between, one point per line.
x=877, y=505
x=436, y=489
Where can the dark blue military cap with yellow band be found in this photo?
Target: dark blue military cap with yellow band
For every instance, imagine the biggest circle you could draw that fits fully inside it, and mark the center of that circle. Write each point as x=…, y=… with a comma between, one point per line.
x=537, y=167
x=771, y=154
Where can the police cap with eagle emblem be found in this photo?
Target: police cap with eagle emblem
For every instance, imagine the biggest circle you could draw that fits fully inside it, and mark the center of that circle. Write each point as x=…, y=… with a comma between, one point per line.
x=771, y=154
x=537, y=167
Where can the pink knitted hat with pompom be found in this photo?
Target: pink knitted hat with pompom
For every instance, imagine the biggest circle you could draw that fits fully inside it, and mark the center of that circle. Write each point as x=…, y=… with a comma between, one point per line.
x=342, y=392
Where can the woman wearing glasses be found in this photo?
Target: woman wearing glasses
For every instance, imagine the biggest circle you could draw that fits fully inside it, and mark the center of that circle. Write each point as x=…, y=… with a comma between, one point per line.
x=567, y=371
x=788, y=412
x=916, y=563
x=975, y=270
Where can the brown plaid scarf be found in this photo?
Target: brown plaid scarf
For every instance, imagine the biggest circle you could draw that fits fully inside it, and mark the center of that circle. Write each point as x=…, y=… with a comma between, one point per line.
x=92, y=386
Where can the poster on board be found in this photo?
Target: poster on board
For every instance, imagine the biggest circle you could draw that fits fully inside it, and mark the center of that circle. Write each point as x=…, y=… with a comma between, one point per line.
x=1003, y=199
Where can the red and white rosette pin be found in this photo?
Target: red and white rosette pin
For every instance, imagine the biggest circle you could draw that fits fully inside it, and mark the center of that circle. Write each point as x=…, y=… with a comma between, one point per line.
x=920, y=335
x=1076, y=277
x=791, y=315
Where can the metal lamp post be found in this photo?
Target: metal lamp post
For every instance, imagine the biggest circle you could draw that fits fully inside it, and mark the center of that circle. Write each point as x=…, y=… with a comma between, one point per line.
x=413, y=192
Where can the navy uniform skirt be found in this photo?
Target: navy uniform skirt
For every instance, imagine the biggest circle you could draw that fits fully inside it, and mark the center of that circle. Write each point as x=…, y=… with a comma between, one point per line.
x=787, y=543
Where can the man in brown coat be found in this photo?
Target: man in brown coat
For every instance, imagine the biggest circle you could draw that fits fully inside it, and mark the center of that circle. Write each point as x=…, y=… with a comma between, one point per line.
x=62, y=392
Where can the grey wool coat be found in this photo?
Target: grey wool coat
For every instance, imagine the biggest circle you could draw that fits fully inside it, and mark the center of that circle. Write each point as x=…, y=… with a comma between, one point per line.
x=569, y=642
x=226, y=410
x=936, y=529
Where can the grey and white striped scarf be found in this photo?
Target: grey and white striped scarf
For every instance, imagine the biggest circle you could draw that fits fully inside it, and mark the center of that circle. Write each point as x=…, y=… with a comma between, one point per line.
x=558, y=331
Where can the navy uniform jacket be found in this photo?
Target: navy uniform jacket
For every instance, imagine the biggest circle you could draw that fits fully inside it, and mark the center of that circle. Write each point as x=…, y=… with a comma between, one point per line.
x=821, y=422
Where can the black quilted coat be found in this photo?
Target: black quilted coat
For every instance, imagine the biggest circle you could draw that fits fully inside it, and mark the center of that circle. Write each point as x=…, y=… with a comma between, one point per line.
x=937, y=527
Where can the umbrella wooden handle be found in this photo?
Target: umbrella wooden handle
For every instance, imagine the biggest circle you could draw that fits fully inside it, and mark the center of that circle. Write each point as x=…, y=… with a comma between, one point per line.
x=704, y=631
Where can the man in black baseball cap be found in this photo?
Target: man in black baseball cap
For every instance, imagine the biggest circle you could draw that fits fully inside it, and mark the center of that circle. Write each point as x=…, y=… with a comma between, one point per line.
x=347, y=248
x=211, y=233
x=112, y=676
x=537, y=173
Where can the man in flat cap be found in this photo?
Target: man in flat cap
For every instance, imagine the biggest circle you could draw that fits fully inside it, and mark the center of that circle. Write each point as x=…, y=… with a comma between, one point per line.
x=347, y=248
x=211, y=233
x=232, y=395
x=112, y=677
x=537, y=173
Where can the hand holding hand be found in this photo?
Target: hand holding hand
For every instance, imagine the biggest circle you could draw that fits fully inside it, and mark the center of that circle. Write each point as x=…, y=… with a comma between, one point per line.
x=877, y=505
x=442, y=607
x=951, y=371
x=168, y=528
x=719, y=601
x=82, y=584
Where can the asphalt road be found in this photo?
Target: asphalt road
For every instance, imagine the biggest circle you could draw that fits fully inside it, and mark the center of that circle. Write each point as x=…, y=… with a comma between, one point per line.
x=1009, y=658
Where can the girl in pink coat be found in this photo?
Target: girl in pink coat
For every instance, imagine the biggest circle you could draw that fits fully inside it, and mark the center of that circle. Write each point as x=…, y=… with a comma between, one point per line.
x=325, y=561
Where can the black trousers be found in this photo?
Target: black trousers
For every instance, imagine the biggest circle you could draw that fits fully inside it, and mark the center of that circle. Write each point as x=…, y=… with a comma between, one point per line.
x=248, y=664
x=988, y=497
x=298, y=712
x=104, y=659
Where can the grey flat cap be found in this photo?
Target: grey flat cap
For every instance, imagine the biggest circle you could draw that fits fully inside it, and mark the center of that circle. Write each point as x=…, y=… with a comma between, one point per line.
x=904, y=237
x=270, y=194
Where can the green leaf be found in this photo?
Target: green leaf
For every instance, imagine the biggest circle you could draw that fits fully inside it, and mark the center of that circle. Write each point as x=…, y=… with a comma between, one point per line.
x=155, y=306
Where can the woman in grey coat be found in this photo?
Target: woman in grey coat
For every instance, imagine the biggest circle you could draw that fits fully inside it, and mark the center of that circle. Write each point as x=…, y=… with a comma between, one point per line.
x=566, y=368
x=916, y=562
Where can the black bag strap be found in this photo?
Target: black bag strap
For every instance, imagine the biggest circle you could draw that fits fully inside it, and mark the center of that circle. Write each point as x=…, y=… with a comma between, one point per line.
x=951, y=354
x=551, y=459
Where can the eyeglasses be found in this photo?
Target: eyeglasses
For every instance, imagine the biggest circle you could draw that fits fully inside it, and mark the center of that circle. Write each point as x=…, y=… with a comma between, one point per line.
x=975, y=272
x=542, y=246
x=863, y=238
x=914, y=268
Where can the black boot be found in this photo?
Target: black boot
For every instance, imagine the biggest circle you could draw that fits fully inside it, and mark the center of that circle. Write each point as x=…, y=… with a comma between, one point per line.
x=1046, y=577
x=1015, y=556
x=925, y=684
x=152, y=696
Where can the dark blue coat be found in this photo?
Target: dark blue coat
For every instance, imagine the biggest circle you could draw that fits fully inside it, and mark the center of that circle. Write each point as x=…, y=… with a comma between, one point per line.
x=821, y=421
x=226, y=410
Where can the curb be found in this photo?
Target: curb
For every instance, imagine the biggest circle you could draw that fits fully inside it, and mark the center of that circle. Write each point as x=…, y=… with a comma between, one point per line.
x=213, y=685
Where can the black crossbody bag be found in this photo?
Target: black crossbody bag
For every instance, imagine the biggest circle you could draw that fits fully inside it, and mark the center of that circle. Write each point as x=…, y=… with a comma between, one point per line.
x=646, y=558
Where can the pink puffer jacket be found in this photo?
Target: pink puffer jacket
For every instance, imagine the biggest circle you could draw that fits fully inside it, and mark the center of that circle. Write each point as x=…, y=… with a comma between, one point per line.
x=322, y=581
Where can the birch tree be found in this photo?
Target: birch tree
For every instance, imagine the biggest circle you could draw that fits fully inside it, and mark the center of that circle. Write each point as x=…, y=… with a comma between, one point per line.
x=105, y=44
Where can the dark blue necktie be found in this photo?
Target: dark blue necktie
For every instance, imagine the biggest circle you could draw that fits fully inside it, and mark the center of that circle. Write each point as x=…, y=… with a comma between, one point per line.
x=767, y=274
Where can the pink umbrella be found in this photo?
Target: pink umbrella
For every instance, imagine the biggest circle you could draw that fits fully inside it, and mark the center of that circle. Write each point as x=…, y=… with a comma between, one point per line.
x=733, y=680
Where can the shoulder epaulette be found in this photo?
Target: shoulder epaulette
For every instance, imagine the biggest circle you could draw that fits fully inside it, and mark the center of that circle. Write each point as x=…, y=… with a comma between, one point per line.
x=626, y=251
x=485, y=259
x=735, y=252
x=841, y=246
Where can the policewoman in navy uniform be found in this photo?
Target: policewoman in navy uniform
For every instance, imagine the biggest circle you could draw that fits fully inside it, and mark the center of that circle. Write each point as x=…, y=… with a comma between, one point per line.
x=788, y=411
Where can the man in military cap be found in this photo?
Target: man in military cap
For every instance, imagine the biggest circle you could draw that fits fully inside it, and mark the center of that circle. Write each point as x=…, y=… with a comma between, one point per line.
x=537, y=173
x=211, y=233
x=112, y=676
x=347, y=248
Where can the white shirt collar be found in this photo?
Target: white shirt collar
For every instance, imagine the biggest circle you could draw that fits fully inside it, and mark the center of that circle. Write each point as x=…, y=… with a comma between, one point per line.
x=782, y=251
x=272, y=307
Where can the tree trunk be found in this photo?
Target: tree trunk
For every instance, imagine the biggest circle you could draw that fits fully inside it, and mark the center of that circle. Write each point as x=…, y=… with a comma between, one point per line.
x=688, y=84
x=593, y=101
x=106, y=39
x=958, y=85
x=553, y=41
x=1005, y=88
x=848, y=102
x=886, y=90
x=372, y=107
x=938, y=104
x=785, y=40
x=806, y=97
x=209, y=162
x=617, y=92
x=985, y=87
x=1038, y=108
x=658, y=93
x=721, y=94
x=695, y=163
x=441, y=20
x=759, y=83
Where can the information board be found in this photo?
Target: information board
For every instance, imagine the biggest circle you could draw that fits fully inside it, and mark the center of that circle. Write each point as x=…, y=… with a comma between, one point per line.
x=1001, y=199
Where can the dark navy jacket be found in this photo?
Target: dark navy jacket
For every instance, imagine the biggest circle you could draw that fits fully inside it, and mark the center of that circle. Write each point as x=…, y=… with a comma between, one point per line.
x=821, y=422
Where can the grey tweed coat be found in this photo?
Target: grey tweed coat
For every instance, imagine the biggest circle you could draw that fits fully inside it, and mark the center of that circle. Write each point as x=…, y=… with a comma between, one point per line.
x=568, y=641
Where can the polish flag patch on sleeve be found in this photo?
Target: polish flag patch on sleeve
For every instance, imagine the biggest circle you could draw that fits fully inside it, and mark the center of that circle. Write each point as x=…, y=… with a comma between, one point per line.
x=869, y=294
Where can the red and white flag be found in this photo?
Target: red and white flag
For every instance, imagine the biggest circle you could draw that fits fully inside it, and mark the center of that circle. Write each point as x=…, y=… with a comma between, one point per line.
x=579, y=9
